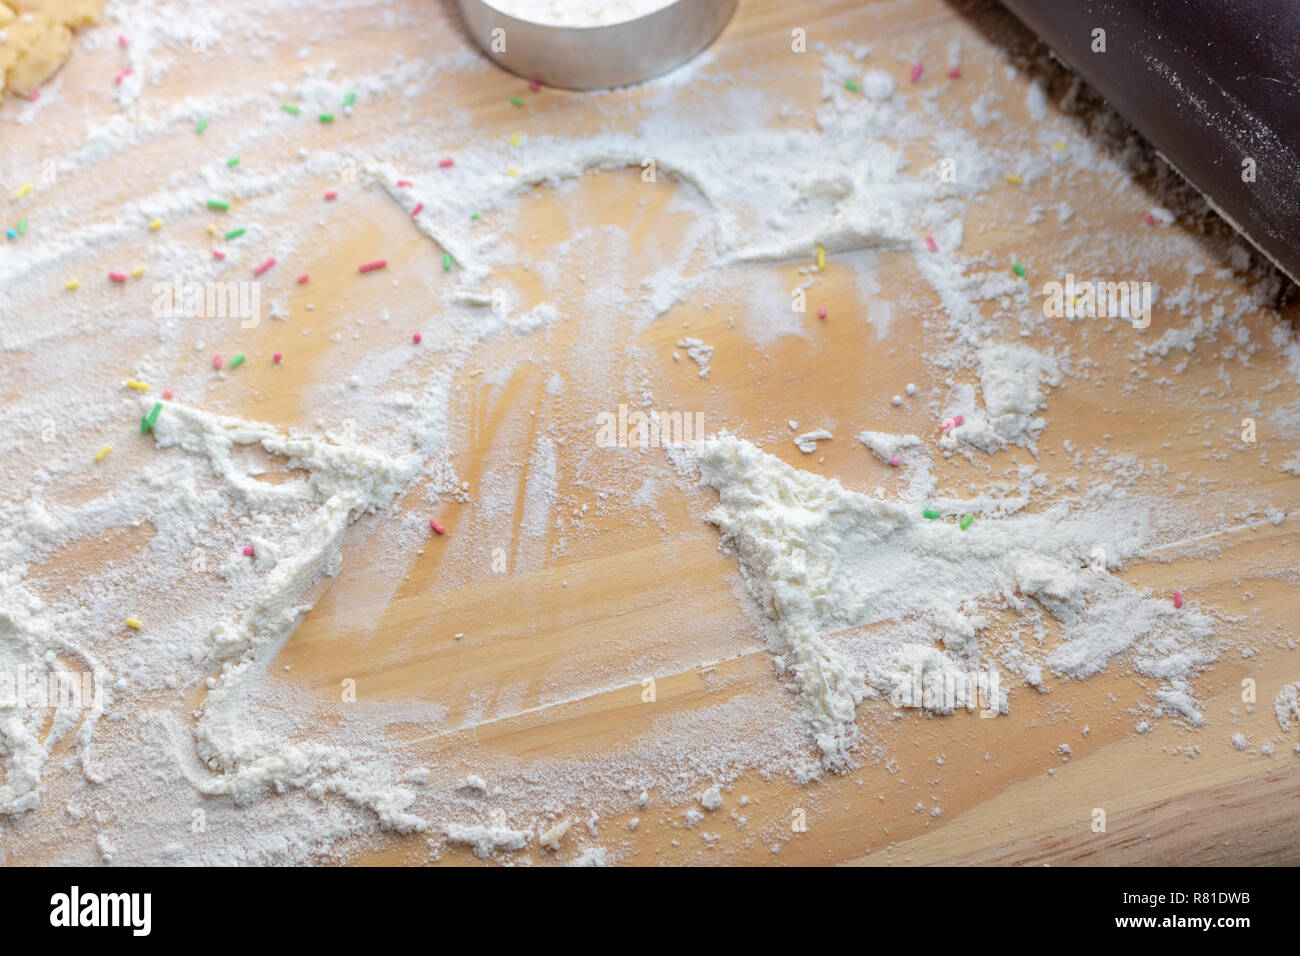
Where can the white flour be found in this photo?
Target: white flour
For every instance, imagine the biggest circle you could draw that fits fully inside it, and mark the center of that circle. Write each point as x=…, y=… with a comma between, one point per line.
x=578, y=13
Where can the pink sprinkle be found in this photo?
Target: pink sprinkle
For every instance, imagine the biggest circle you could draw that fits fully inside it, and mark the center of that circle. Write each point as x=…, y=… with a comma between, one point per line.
x=216, y=362
x=895, y=461
x=436, y=525
x=117, y=276
x=957, y=420
x=1151, y=220
x=303, y=278
x=416, y=211
x=446, y=163
x=218, y=254
x=954, y=74
x=277, y=358
x=248, y=550
x=1178, y=599
x=416, y=338
x=266, y=264
x=929, y=241
x=403, y=183
x=821, y=313
x=372, y=266
x=167, y=393
x=948, y=425
x=917, y=70
x=122, y=41
x=534, y=85
x=122, y=76
x=34, y=95
x=332, y=194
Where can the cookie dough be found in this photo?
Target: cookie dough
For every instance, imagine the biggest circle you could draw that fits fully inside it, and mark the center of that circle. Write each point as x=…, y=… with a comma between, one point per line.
x=36, y=37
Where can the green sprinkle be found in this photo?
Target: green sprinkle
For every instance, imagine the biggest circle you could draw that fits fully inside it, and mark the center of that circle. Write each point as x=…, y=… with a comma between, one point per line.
x=349, y=99
x=966, y=522
x=929, y=513
x=851, y=86
x=326, y=117
x=474, y=216
x=218, y=204
x=202, y=125
x=290, y=108
x=516, y=101
x=148, y=421
x=22, y=226
x=233, y=161
x=1018, y=269
x=235, y=233
x=235, y=362
x=446, y=262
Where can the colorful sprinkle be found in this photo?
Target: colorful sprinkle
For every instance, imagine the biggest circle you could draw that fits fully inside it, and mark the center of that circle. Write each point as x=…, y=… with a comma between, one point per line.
x=515, y=138
x=34, y=95
x=349, y=100
x=372, y=266
x=133, y=623
x=326, y=117
x=821, y=313
x=851, y=86
x=117, y=276
x=516, y=101
x=201, y=125
x=895, y=461
x=277, y=358
x=473, y=217
x=72, y=284
x=446, y=262
x=930, y=243
x=966, y=522
x=954, y=74
x=302, y=279
x=915, y=73
x=446, y=163
x=22, y=226
x=218, y=254
x=212, y=229
x=155, y=224
x=821, y=258
x=416, y=211
x=957, y=420
x=511, y=171
x=264, y=265
x=117, y=80
x=248, y=550
x=232, y=161
x=1178, y=599
x=22, y=190
x=1018, y=269
x=168, y=393
x=535, y=85
x=1014, y=179
x=235, y=233
x=137, y=272
x=103, y=452
x=122, y=41
x=237, y=361
x=416, y=338
x=216, y=362
x=148, y=421
x=332, y=195
x=404, y=184
x=290, y=108
x=436, y=525
x=1151, y=220
x=929, y=513
x=218, y=204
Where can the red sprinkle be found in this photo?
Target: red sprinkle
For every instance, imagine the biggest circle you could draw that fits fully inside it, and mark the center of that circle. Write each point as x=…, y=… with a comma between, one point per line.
x=216, y=361
x=122, y=41
x=218, y=254
x=402, y=183
x=277, y=358
x=332, y=194
x=929, y=241
x=248, y=550
x=123, y=75
x=266, y=264
x=1151, y=220
x=416, y=211
x=372, y=266
x=534, y=85
x=167, y=393
x=821, y=313
x=416, y=338
x=303, y=278
x=954, y=73
x=1178, y=599
x=436, y=525
x=446, y=163
x=917, y=70
x=117, y=276
x=957, y=420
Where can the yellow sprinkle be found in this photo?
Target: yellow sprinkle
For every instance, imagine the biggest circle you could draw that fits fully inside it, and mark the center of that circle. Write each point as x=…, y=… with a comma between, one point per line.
x=134, y=623
x=72, y=283
x=155, y=224
x=821, y=258
x=138, y=385
x=212, y=230
x=22, y=190
x=137, y=272
x=103, y=453
x=1058, y=145
x=1013, y=179
x=514, y=140
x=512, y=171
